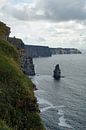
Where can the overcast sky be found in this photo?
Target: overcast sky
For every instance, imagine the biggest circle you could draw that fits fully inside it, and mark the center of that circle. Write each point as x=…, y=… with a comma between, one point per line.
x=56, y=23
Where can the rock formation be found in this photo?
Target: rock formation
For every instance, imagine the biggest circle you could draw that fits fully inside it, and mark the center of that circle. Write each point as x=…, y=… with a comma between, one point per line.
x=26, y=61
x=28, y=66
x=4, y=31
x=57, y=72
x=37, y=51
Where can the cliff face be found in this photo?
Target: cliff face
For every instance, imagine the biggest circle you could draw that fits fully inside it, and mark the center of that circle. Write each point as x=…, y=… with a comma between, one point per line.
x=37, y=51
x=18, y=105
x=18, y=43
x=4, y=31
x=26, y=61
x=55, y=51
x=43, y=51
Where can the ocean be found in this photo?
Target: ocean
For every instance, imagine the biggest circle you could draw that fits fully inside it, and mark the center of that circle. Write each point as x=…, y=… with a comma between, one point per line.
x=62, y=103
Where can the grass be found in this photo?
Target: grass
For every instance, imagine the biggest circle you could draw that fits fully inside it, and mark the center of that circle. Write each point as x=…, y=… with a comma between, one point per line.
x=18, y=105
x=3, y=126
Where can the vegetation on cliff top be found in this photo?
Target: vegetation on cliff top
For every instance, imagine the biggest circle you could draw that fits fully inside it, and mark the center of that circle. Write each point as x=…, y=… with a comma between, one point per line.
x=18, y=105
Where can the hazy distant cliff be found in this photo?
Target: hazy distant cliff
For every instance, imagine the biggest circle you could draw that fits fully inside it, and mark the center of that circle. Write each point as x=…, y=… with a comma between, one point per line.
x=43, y=51
x=55, y=51
x=38, y=51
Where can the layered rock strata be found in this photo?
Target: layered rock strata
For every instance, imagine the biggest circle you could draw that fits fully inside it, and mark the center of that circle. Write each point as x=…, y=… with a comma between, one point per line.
x=37, y=51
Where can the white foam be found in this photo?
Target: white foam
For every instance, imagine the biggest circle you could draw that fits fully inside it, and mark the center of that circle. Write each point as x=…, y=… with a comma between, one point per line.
x=49, y=105
x=36, y=82
x=45, y=109
x=60, y=112
x=43, y=101
x=62, y=122
x=61, y=106
x=39, y=91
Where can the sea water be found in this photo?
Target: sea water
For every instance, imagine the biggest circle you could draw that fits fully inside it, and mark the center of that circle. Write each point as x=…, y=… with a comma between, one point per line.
x=62, y=103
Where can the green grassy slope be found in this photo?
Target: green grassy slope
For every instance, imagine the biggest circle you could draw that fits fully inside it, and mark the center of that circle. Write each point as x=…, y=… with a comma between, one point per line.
x=18, y=105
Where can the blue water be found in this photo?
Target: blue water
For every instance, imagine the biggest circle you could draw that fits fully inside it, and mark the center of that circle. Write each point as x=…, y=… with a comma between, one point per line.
x=62, y=103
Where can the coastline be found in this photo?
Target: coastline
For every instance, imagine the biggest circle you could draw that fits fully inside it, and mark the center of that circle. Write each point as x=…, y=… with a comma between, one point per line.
x=18, y=105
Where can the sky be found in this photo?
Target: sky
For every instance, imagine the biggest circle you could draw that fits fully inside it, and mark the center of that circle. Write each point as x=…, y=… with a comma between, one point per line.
x=53, y=23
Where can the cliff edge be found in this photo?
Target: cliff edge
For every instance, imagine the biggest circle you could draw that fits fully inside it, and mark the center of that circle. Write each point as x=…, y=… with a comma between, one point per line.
x=18, y=105
x=26, y=60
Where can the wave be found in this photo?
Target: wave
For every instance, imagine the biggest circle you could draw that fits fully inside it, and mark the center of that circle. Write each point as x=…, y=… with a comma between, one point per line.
x=48, y=106
x=62, y=120
x=43, y=101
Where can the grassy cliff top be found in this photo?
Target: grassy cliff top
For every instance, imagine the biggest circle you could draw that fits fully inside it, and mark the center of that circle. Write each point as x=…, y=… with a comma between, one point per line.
x=18, y=105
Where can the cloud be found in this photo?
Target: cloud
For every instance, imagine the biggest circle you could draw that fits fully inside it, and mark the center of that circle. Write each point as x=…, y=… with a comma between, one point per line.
x=32, y=21
x=63, y=10
x=2, y=1
x=53, y=10
x=23, y=11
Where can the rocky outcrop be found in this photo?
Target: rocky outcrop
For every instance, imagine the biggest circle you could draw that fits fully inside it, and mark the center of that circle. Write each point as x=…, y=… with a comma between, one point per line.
x=4, y=31
x=28, y=66
x=26, y=61
x=37, y=51
x=57, y=72
x=55, y=51
x=18, y=43
x=25, y=56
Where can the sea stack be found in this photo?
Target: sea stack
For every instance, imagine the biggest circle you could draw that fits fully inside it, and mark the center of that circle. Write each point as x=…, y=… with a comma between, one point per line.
x=57, y=72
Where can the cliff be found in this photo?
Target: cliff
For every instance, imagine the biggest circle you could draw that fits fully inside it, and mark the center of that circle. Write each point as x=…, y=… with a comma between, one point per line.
x=26, y=61
x=37, y=51
x=18, y=105
x=44, y=51
x=4, y=31
x=55, y=51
